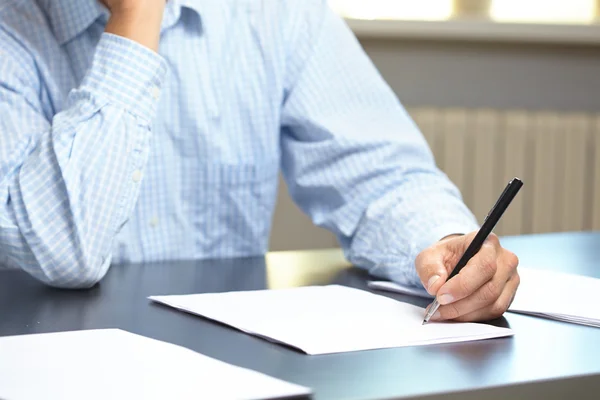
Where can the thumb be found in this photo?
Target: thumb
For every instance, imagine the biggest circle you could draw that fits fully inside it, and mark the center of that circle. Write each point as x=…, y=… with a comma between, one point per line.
x=431, y=271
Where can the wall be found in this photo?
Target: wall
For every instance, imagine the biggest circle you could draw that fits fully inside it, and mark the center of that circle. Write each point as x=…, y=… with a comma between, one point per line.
x=530, y=76
x=465, y=74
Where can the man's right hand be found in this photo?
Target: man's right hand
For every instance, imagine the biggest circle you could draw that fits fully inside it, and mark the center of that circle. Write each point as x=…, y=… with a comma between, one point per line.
x=138, y=20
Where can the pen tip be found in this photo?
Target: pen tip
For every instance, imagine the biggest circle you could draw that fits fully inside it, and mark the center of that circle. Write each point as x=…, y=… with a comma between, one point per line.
x=423, y=323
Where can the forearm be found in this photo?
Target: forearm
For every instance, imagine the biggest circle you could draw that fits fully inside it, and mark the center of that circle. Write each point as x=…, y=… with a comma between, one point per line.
x=356, y=162
x=423, y=209
x=69, y=188
x=65, y=210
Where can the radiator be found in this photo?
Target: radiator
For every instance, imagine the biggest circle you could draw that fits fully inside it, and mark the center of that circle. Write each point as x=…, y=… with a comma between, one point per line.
x=556, y=154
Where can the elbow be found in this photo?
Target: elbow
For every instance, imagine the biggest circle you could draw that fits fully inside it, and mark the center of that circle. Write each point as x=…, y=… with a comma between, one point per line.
x=82, y=275
x=66, y=274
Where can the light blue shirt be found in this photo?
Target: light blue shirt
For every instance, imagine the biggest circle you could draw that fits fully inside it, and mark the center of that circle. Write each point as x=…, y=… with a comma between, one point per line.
x=111, y=153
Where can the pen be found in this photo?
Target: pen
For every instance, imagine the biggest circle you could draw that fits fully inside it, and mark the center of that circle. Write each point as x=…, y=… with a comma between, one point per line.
x=489, y=223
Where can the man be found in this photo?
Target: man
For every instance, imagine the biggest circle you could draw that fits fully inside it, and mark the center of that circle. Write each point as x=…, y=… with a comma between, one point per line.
x=116, y=149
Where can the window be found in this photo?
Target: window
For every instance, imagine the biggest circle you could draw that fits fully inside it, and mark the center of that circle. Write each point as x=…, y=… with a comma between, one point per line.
x=520, y=11
x=424, y=10
x=544, y=11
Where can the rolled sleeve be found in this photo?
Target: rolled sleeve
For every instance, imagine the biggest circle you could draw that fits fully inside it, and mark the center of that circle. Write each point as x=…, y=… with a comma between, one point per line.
x=127, y=74
x=391, y=237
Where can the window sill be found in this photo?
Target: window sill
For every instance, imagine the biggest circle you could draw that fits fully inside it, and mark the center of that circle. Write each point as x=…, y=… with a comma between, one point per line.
x=477, y=30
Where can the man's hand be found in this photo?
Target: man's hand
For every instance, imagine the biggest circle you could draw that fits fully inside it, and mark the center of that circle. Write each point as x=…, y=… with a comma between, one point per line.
x=138, y=20
x=483, y=289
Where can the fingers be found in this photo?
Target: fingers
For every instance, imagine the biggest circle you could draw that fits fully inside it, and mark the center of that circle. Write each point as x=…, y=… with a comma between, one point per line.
x=496, y=309
x=478, y=272
x=484, y=299
x=431, y=270
x=483, y=289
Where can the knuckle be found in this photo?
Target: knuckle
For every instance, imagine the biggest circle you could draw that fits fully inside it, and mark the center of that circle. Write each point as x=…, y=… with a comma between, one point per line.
x=420, y=262
x=464, y=286
x=517, y=278
x=424, y=260
x=493, y=240
x=420, y=257
x=449, y=311
x=513, y=260
x=498, y=309
x=488, y=266
x=488, y=246
x=421, y=265
x=488, y=293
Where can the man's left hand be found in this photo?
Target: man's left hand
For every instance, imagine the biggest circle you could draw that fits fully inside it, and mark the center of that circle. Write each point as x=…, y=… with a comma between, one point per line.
x=483, y=289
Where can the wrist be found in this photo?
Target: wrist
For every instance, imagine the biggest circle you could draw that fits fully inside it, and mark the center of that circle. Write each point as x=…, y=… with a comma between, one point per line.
x=139, y=24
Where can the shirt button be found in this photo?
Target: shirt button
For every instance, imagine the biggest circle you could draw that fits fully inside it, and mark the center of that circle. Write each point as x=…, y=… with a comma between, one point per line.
x=137, y=176
x=154, y=222
x=155, y=91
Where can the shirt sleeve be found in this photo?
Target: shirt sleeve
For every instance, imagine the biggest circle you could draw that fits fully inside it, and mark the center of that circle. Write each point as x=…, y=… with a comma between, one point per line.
x=69, y=182
x=354, y=160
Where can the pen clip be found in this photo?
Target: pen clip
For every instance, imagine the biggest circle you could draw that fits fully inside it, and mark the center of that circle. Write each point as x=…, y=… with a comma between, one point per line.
x=500, y=198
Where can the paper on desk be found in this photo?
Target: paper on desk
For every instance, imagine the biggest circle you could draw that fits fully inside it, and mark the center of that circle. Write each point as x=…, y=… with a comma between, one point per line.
x=114, y=364
x=327, y=319
x=553, y=295
x=565, y=297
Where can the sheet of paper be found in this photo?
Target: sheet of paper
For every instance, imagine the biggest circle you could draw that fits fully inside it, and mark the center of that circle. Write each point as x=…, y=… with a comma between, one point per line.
x=114, y=364
x=327, y=319
x=565, y=297
x=553, y=295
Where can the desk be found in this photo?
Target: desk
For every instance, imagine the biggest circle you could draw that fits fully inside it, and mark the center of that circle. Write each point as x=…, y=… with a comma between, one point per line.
x=545, y=359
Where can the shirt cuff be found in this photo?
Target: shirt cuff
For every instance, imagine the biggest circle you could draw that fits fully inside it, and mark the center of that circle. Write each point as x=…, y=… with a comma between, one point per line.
x=127, y=74
x=388, y=253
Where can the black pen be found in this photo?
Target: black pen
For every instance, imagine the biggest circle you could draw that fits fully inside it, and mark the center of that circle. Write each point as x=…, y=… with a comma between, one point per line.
x=489, y=223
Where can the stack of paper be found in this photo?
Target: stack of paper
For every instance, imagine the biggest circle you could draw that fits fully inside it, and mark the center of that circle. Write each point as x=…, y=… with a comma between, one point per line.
x=114, y=364
x=553, y=295
x=564, y=297
x=327, y=319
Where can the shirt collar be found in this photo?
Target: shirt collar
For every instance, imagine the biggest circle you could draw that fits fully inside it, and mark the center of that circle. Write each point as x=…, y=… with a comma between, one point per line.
x=69, y=18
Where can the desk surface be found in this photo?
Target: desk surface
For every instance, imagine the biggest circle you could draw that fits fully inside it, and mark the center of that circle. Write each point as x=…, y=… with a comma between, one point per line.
x=527, y=365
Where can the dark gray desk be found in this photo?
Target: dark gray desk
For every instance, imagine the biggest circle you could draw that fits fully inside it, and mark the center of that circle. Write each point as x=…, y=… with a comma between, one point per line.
x=545, y=359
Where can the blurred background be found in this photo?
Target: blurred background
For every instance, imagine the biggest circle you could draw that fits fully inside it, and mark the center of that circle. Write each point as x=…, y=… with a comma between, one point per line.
x=500, y=88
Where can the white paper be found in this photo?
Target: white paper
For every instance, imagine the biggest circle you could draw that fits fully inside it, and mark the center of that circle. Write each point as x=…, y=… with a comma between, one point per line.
x=564, y=297
x=553, y=295
x=327, y=319
x=114, y=364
